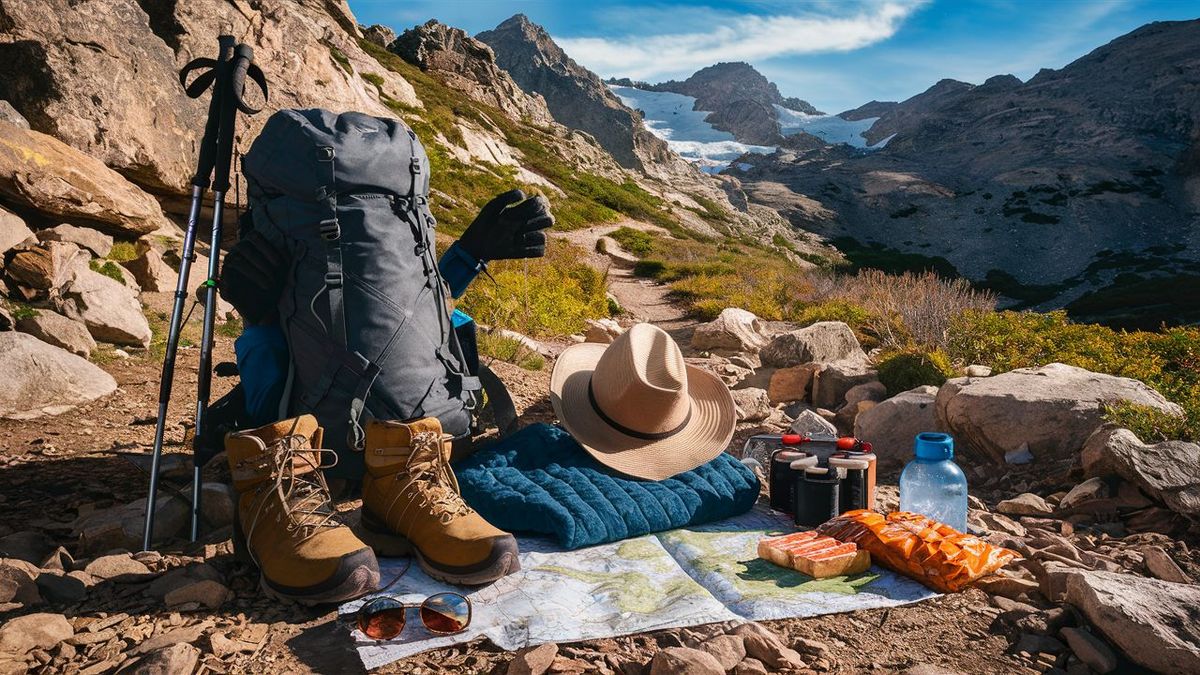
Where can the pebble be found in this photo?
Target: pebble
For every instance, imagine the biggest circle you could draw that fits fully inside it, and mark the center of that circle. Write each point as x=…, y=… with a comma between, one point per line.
x=533, y=660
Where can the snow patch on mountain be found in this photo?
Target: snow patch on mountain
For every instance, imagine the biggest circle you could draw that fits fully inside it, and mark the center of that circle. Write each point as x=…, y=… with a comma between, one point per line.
x=829, y=128
x=671, y=117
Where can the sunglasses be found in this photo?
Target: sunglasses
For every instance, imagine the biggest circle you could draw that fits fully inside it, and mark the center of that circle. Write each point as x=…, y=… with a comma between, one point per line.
x=444, y=614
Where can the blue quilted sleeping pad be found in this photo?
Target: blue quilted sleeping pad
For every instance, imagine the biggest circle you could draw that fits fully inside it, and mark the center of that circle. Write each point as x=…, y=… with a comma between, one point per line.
x=541, y=481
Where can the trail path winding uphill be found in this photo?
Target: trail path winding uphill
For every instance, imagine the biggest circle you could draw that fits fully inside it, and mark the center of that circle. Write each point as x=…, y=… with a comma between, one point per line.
x=642, y=299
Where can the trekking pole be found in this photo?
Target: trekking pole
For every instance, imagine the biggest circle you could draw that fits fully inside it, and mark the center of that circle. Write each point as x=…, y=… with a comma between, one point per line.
x=226, y=76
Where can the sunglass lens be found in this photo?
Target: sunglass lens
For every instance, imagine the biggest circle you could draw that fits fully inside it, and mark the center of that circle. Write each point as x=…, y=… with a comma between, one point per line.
x=446, y=613
x=381, y=619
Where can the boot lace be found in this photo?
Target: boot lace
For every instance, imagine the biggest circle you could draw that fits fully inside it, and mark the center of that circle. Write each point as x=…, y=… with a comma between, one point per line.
x=303, y=497
x=428, y=470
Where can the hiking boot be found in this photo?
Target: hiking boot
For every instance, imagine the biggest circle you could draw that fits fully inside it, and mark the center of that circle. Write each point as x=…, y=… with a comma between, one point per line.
x=285, y=521
x=411, y=505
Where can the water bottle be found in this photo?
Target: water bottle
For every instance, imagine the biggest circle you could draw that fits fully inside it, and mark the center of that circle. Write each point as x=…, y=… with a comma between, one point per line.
x=933, y=485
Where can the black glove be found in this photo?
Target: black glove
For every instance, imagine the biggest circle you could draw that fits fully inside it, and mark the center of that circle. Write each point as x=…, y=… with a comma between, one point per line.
x=509, y=227
x=253, y=277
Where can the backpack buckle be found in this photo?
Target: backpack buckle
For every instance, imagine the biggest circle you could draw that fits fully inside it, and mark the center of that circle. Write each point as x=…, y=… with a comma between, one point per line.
x=330, y=230
x=325, y=154
x=333, y=279
x=415, y=163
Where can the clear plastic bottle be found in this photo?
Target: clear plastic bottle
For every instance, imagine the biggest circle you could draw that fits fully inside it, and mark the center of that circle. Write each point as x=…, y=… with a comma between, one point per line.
x=933, y=485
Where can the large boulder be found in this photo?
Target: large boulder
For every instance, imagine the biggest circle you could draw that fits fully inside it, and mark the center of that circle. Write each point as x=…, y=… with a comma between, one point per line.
x=833, y=380
x=1155, y=623
x=151, y=272
x=12, y=230
x=41, y=379
x=43, y=174
x=1052, y=409
x=33, y=631
x=892, y=426
x=734, y=330
x=101, y=76
x=1168, y=472
x=47, y=266
x=822, y=342
x=98, y=243
x=56, y=329
x=108, y=308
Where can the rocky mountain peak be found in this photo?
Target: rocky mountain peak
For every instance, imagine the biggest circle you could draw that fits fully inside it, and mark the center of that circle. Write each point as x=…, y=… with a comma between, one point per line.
x=740, y=99
x=469, y=66
x=575, y=95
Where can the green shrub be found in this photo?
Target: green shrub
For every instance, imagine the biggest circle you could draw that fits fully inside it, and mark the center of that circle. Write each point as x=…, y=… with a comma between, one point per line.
x=123, y=251
x=543, y=297
x=108, y=268
x=903, y=370
x=509, y=350
x=637, y=242
x=22, y=311
x=650, y=268
x=1153, y=425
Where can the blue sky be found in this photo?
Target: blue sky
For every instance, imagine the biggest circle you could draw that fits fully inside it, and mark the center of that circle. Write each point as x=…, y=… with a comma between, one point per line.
x=837, y=54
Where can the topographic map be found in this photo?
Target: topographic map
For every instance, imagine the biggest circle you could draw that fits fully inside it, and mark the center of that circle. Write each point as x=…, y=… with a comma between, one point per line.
x=678, y=578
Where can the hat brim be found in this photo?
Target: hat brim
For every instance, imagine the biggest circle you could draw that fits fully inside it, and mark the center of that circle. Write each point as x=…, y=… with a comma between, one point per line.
x=706, y=434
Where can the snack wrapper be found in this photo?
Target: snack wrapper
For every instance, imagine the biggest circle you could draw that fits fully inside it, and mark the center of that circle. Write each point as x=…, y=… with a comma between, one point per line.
x=933, y=553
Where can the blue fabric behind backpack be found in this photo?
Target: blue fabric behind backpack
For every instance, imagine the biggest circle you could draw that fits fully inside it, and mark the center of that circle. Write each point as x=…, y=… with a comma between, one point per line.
x=540, y=480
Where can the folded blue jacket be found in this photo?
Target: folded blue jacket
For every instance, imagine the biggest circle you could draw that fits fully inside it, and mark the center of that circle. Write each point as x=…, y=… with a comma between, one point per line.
x=541, y=481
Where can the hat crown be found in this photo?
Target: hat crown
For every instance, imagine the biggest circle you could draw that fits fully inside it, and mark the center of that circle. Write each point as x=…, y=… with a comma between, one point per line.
x=640, y=382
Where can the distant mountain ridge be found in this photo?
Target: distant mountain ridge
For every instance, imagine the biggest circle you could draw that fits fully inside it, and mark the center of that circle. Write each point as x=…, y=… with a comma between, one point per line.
x=738, y=98
x=1080, y=187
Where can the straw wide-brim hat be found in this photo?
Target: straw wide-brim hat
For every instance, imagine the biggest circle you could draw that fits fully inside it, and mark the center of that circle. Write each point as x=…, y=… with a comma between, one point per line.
x=638, y=408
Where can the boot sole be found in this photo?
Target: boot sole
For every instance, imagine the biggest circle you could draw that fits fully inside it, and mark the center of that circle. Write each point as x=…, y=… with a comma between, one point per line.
x=388, y=544
x=358, y=571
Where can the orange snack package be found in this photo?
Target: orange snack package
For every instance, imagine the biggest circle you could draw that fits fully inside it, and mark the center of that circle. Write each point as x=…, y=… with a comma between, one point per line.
x=935, y=554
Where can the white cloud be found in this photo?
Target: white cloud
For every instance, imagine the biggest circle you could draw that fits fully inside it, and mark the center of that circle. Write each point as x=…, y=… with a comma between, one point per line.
x=741, y=38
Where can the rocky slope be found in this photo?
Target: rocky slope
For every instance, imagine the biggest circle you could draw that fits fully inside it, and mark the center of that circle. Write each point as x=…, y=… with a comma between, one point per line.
x=1079, y=187
x=740, y=100
x=574, y=94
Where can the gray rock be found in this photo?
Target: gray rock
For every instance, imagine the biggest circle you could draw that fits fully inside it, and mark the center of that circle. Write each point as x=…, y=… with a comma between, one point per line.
x=33, y=631
x=61, y=589
x=870, y=391
x=13, y=230
x=822, y=342
x=728, y=650
x=892, y=426
x=170, y=660
x=1089, y=490
x=1025, y=504
x=1155, y=623
x=833, y=380
x=9, y=114
x=1053, y=409
x=602, y=331
x=151, y=272
x=55, y=329
x=734, y=330
x=684, y=661
x=809, y=423
x=118, y=567
x=108, y=308
x=98, y=243
x=45, y=380
x=205, y=592
x=70, y=185
x=753, y=404
x=18, y=582
x=121, y=527
x=1162, y=566
x=217, y=504
x=978, y=371
x=1168, y=472
x=1090, y=649
x=533, y=660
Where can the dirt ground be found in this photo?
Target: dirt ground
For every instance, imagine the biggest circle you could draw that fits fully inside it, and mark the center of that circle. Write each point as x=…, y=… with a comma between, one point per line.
x=55, y=468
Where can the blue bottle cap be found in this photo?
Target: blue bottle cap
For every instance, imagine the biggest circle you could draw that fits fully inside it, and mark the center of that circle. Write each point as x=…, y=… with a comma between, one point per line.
x=934, y=446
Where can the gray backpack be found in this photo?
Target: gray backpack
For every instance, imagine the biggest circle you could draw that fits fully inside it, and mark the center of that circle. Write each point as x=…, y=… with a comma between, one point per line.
x=364, y=308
